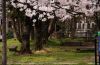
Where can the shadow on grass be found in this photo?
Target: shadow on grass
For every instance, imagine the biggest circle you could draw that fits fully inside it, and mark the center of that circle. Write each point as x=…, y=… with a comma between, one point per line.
x=85, y=51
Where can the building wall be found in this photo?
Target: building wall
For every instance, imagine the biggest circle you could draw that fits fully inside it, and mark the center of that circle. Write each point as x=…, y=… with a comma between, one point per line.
x=84, y=29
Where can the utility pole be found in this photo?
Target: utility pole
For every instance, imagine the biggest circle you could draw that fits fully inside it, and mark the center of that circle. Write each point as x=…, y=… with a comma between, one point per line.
x=4, y=44
x=97, y=44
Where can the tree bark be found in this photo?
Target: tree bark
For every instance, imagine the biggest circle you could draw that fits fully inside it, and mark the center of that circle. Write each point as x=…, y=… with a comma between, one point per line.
x=4, y=43
x=39, y=40
x=43, y=31
x=22, y=31
x=25, y=45
x=32, y=34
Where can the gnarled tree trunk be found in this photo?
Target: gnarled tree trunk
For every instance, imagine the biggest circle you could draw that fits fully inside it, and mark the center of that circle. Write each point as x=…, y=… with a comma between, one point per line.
x=22, y=31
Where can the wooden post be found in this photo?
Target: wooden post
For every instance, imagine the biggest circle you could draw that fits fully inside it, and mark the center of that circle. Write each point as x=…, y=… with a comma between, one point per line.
x=4, y=49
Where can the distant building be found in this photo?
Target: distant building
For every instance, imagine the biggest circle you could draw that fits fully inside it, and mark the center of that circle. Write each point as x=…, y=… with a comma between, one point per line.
x=84, y=29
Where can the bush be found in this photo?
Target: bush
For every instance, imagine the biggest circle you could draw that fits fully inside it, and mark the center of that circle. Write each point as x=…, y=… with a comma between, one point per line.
x=54, y=42
x=74, y=40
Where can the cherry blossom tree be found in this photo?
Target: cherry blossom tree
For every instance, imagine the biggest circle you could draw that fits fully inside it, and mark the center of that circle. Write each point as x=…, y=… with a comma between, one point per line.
x=44, y=16
x=21, y=26
x=40, y=20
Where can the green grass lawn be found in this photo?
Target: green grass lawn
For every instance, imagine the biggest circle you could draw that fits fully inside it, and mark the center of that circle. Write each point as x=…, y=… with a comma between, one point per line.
x=57, y=54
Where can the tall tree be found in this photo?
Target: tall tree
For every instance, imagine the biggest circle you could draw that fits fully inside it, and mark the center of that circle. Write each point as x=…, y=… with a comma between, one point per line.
x=22, y=27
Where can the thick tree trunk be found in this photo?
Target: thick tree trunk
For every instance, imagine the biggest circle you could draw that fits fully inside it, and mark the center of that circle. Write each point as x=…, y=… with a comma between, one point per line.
x=25, y=45
x=22, y=31
x=32, y=34
x=43, y=31
x=39, y=43
x=39, y=40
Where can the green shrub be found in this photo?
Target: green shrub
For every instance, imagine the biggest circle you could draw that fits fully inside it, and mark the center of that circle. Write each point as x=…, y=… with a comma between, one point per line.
x=58, y=42
x=54, y=42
